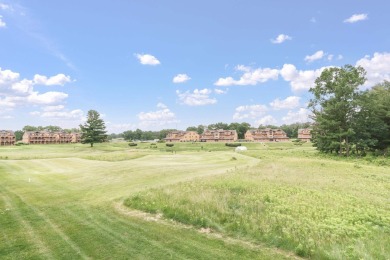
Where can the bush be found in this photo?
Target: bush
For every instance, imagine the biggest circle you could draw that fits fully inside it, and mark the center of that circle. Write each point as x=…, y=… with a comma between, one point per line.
x=170, y=145
x=133, y=144
x=233, y=144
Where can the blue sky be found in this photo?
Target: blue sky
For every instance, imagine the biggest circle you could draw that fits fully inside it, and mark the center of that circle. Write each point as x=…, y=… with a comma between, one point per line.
x=173, y=64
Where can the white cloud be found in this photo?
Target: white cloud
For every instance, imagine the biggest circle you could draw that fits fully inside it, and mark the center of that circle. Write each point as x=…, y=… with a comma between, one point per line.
x=181, y=78
x=8, y=77
x=47, y=98
x=340, y=57
x=250, y=111
x=161, y=105
x=2, y=23
x=4, y=6
x=53, y=108
x=76, y=114
x=250, y=77
x=281, y=38
x=147, y=59
x=23, y=87
x=300, y=116
x=330, y=57
x=267, y=120
x=300, y=80
x=199, y=97
x=59, y=79
x=288, y=103
x=356, y=18
x=160, y=117
x=316, y=56
x=377, y=68
x=220, y=91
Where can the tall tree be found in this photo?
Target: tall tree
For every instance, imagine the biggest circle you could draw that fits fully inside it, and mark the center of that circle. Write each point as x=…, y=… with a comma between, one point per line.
x=93, y=131
x=334, y=107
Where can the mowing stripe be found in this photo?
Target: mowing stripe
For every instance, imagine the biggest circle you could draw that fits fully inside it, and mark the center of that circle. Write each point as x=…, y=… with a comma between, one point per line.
x=33, y=237
x=54, y=227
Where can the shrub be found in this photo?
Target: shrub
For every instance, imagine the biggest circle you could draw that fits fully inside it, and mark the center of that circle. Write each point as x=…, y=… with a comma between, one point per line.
x=233, y=144
x=170, y=145
x=133, y=144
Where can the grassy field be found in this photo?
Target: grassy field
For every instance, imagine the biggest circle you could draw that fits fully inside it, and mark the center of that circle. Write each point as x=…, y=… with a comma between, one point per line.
x=275, y=201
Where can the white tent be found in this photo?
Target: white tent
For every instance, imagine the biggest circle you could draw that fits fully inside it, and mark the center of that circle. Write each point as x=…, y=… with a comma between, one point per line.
x=241, y=148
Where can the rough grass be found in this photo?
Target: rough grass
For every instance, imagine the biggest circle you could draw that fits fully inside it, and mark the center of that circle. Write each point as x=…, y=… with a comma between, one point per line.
x=56, y=205
x=315, y=207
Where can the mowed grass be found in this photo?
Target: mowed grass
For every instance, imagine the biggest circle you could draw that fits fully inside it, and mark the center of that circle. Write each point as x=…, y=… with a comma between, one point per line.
x=61, y=202
x=292, y=199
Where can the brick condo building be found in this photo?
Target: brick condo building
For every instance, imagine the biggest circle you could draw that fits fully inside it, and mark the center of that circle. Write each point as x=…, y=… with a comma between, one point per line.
x=7, y=137
x=266, y=135
x=182, y=136
x=304, y=134
x=219, y=136
x=46, y=137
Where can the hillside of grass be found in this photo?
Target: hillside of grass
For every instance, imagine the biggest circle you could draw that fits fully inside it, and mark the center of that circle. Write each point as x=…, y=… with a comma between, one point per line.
x=322, y=208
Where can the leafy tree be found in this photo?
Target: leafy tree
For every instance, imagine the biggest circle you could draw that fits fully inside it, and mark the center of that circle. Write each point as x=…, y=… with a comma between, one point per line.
x=192, y=128
x=374, y=118
x=200, y=129
x=53, y=128
x=241, y=128
x=18, y=135
x=93, y=131
x=335, y=106
x=219, y=125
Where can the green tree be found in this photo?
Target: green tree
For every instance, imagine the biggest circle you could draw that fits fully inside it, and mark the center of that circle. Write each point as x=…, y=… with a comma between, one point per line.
x=241, y=128
x=18, y=135
x=192, y=128
x=93, y=131
x=334, y=107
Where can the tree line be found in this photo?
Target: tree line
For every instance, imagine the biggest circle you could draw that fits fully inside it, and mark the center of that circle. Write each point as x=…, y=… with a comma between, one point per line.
x=347, y=119
x=241, y=128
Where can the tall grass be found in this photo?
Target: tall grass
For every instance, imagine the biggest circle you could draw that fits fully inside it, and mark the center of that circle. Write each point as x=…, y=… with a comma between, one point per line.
x=318, y=209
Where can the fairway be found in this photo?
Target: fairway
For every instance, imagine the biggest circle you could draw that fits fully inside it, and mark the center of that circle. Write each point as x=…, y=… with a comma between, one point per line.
x=274, y=201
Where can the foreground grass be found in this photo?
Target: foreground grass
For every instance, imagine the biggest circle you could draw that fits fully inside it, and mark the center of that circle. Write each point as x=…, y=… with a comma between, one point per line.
x=318, y=208
x=57, y=202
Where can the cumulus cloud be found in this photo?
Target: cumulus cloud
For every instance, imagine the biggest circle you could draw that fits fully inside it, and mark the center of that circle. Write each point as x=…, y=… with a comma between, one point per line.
x=199, y=97
x=288, y=103
x=250, y=111
x=2, y=23
x=300, y=116
x=356, y=18
x=266, y=120
x=20, y=92
x=53, y=108
x=147, y=59
x=160, y=117
x=59, y=79
x=250, y=76
x=316, y=56
x=46, y=98
x=281, y=38
x=377, y=68
x=220, y=91
x=8, y=77
x=181, y=78
x=300, y=80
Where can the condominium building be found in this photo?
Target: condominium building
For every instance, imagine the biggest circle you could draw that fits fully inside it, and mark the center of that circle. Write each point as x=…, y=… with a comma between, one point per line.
x=47, y=137
x=304, y=134
x=182, y=136
x=266, y=135
x=219, y=136
x=7, y=137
